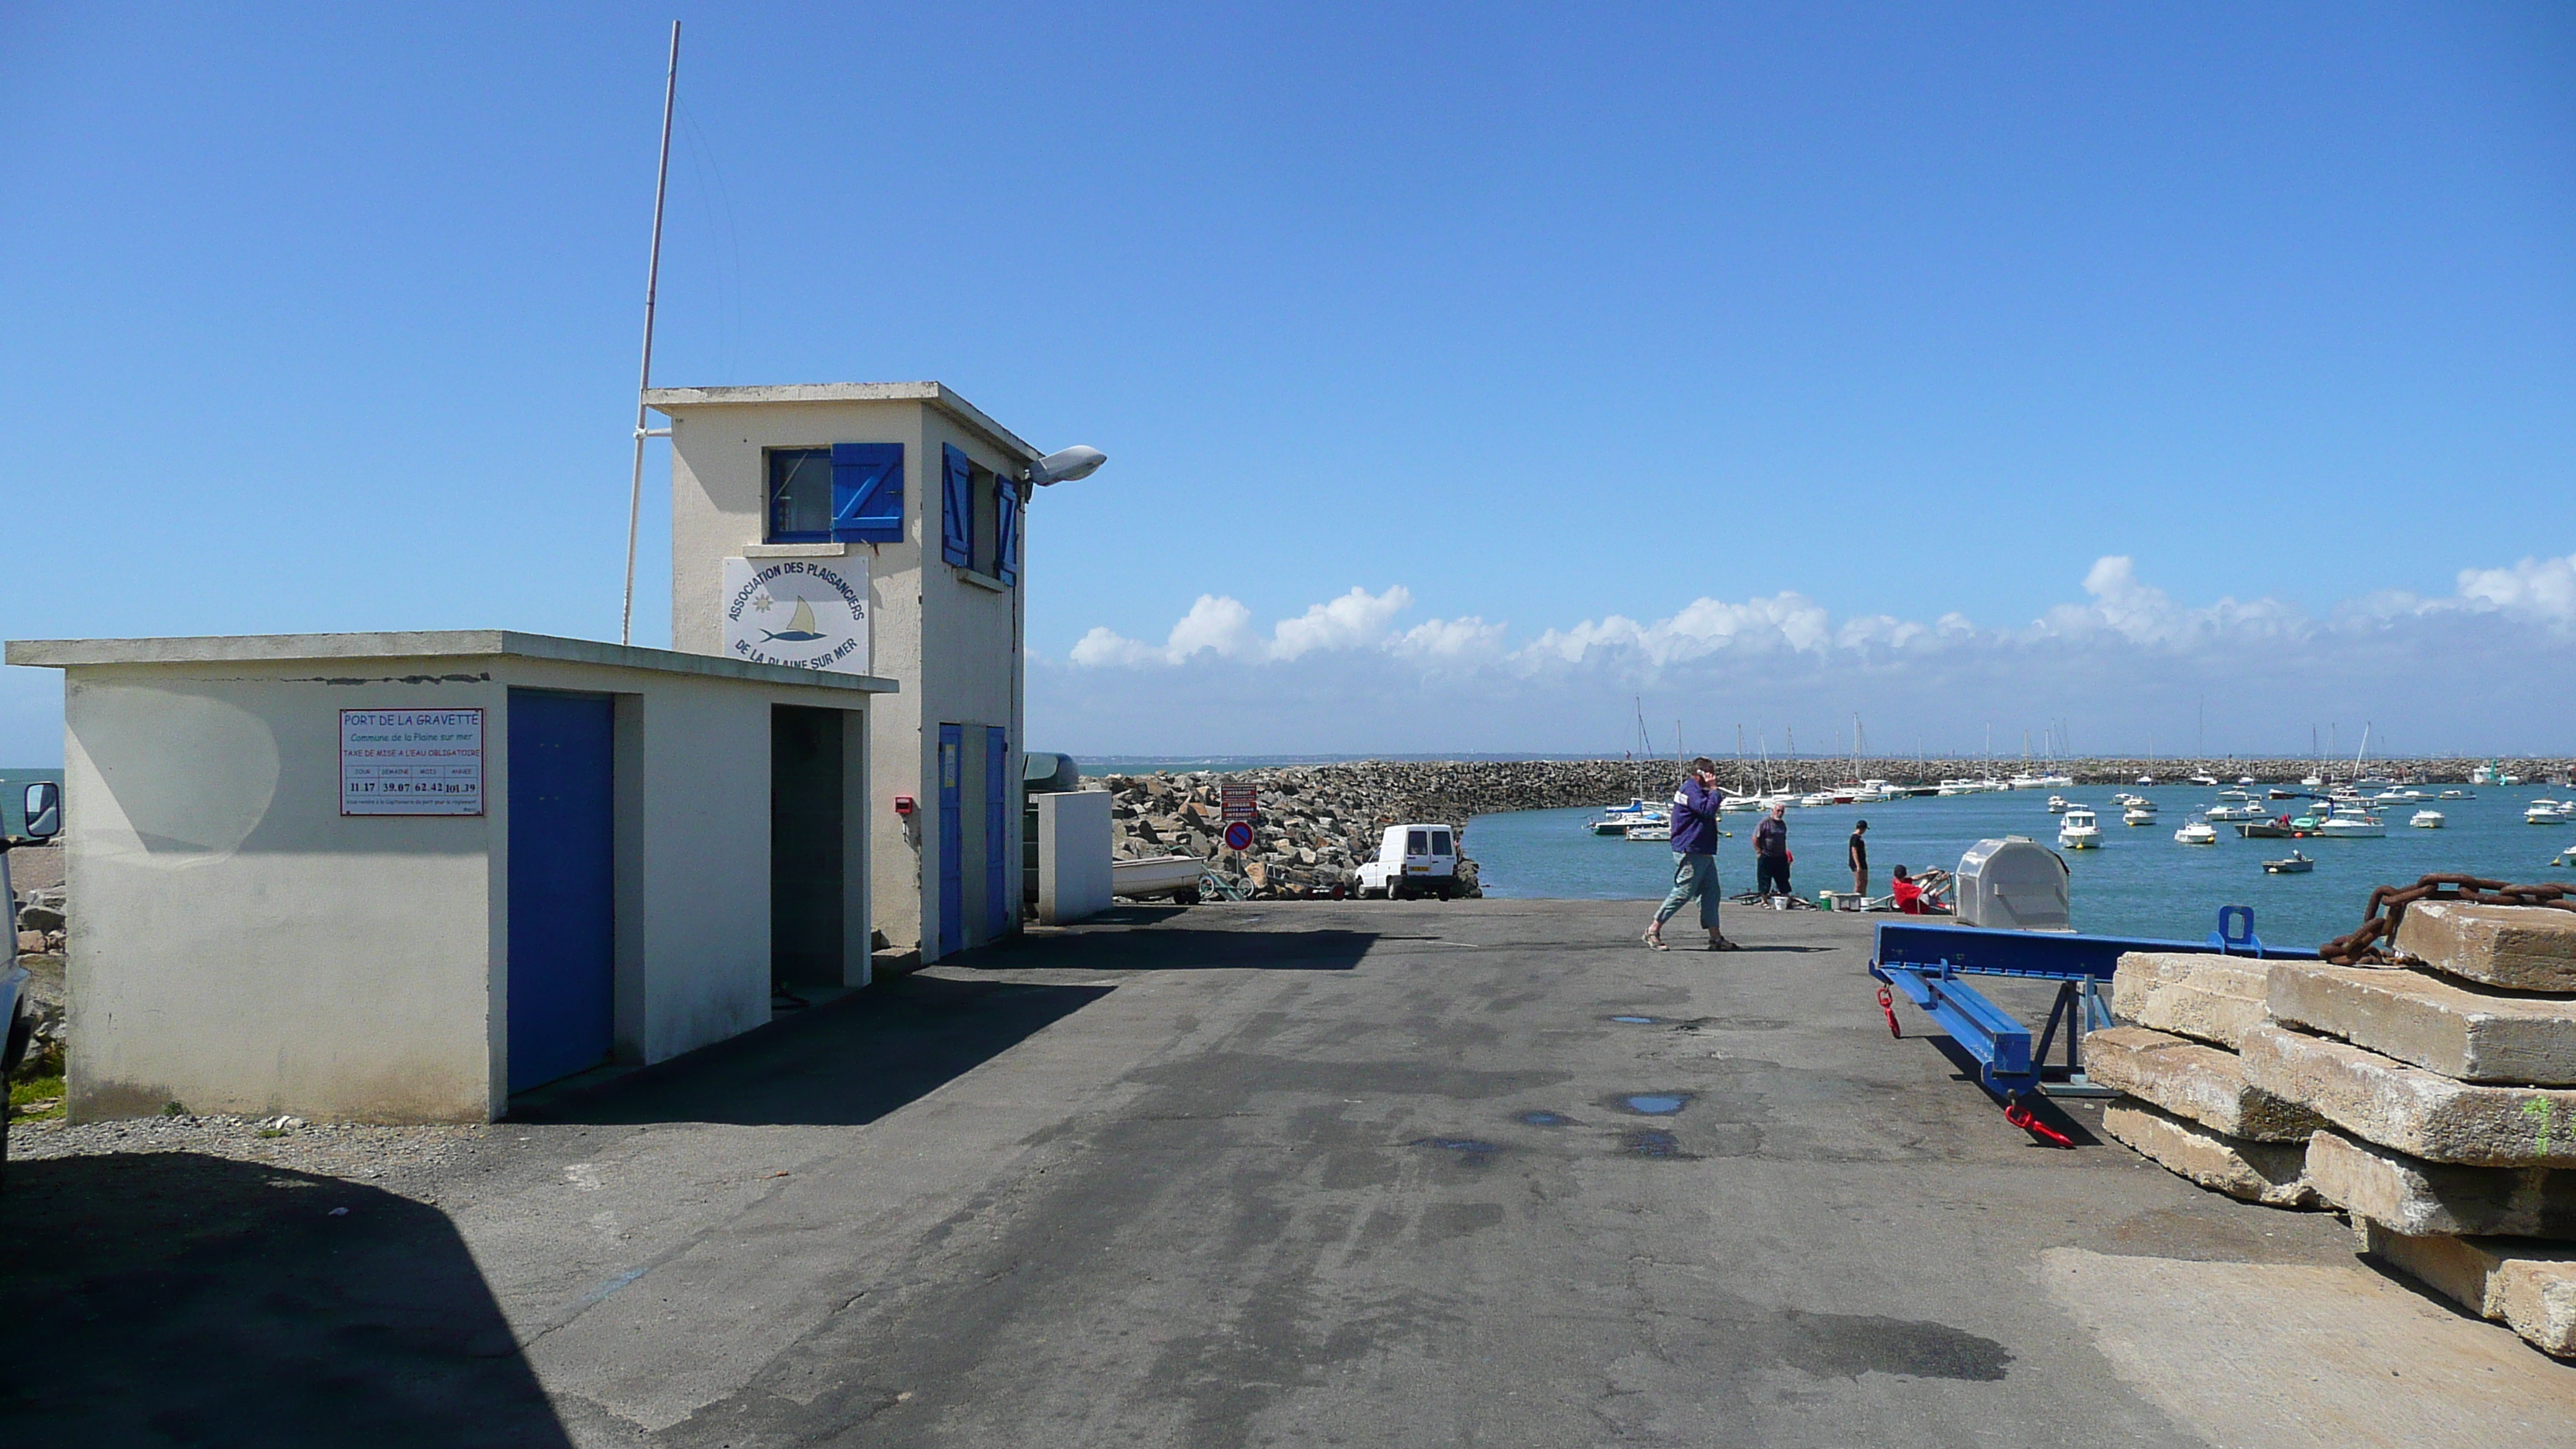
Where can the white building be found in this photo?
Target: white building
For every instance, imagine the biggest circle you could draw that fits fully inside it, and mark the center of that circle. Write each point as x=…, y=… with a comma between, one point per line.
x=400, y=877
x=905, y=501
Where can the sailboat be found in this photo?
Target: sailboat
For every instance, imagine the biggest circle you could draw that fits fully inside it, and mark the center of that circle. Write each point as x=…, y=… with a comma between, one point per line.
x=800, y=626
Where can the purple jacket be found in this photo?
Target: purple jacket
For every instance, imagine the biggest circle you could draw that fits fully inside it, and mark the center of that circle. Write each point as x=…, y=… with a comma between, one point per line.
x=1695, y=818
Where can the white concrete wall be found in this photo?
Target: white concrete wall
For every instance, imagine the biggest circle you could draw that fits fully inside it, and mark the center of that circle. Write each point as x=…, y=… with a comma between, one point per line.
x=1073, y=855
x=241, y=947
x=952, y=643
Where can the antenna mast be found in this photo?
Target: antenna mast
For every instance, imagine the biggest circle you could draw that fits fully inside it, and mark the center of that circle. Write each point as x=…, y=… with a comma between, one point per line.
x=644, y=377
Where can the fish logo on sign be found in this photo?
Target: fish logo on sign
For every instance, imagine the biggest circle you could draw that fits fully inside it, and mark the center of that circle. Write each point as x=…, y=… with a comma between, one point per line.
x=800, y=626
x=803, y=613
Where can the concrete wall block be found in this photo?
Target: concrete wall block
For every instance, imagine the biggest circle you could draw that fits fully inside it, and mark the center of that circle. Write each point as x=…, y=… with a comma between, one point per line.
x=2206, y=997
x=2526, y=1286
x=2522, y=948
x=2194, y=1080
x=2271, y=1173
x=2394, y=1104
x=2412, y=1196
x=2436, y=1024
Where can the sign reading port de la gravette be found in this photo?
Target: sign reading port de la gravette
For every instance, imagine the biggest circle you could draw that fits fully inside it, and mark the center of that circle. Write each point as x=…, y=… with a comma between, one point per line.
x=411, y=762
x=806, y=613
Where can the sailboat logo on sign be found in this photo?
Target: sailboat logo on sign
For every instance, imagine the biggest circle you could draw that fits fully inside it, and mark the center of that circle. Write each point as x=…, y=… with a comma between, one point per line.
x=805, y=613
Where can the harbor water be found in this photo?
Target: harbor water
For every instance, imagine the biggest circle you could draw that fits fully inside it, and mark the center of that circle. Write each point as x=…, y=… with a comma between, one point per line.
x=2142, y=882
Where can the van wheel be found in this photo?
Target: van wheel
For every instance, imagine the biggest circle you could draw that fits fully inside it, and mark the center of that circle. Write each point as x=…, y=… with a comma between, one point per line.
x=1396, y=892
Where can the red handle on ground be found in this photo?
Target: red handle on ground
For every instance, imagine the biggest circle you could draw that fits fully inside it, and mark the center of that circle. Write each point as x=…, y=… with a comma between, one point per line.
x=2019, y=1116
x=1887, y=1003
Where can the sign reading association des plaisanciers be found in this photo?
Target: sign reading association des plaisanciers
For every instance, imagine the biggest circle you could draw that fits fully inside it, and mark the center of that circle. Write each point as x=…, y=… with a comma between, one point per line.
x=411, y=762
x=806, y=613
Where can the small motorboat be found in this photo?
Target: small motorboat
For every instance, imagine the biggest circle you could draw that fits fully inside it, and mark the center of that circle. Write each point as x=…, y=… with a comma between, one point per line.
x=1651, y=830
x=2229, y=814
x=2297, y=864
x=2056, y=804
x=2204, y=778
x=2459, y=795
x=2234, y=795
x=2352, y=827
x=2077, y=830
x=2426, y=820
x=1615, y=819
x=1156, y=875
x=2566, y=858
x=2277, y=793
x=2140, y=812
x=2548, y=812
x=2197, y=832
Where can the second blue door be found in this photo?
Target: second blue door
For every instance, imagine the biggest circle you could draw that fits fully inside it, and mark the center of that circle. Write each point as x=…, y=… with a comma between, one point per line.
x=952, y=840
x=997, y=905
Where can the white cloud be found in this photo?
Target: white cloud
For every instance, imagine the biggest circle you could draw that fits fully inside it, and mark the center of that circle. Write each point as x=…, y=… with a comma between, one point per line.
x=2539, y=589
x=1354, y=619
x=2126, y=665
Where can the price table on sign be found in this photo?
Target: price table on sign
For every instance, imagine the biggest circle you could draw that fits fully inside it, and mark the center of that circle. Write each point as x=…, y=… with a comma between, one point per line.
x=1239, y=802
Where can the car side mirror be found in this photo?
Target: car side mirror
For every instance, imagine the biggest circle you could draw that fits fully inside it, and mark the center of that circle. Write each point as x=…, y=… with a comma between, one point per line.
x=44, y=810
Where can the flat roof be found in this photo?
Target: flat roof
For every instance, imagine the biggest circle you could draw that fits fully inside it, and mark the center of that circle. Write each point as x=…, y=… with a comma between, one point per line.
x=671, y=400
x=421, y=644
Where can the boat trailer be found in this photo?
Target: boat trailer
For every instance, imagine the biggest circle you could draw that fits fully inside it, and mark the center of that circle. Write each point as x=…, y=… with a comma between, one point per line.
x=1930, y=963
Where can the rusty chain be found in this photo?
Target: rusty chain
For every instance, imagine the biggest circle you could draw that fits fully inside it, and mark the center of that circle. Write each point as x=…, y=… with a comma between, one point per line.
x=2388, y=907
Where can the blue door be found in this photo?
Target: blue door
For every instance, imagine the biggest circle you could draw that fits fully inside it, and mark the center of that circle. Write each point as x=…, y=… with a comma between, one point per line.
x=562, y=886
x=997, y=905
x=952, y=842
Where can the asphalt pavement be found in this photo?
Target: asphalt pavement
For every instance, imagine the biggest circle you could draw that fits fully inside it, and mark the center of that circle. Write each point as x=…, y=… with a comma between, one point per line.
x=1472, y=1173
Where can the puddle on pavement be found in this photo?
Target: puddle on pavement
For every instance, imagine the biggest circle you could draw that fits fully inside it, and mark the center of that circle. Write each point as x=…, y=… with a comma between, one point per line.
x=1650, y=1142
x=1653, y=1104
x=1545, y=1119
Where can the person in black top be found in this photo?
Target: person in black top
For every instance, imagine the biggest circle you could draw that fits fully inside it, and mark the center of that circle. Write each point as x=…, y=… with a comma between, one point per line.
x=1771, y=853
x=1859, y=853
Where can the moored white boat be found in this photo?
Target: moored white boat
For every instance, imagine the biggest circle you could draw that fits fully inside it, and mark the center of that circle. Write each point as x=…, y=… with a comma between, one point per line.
x=1658, y=830
x=2197, y=832
x=2426, y=820
x=1155, y=875
x=2352, y=827
x=2548, y=812
x=2459, y=795
x=2246, y=811
x=2297, y=864
x=2056, y=804
x=2077, y=830
x=2140, y=812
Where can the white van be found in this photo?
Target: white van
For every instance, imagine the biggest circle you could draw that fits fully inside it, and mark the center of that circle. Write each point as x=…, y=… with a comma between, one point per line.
x=1413, y=860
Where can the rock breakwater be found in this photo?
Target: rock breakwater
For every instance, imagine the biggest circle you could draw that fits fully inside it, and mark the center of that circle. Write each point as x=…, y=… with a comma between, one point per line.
x=1320, y=823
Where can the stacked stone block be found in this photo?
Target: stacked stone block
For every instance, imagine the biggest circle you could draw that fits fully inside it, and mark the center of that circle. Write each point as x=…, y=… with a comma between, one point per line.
x=2188, y=1103
x=2447, y=1088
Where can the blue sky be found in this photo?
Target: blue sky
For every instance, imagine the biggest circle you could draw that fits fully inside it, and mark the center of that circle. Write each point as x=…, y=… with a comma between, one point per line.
x=1952, y=366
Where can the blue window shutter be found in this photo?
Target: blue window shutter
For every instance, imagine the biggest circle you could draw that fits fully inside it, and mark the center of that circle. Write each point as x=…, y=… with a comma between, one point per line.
x=867, y=492
x=1006, y=522
x=956, y=508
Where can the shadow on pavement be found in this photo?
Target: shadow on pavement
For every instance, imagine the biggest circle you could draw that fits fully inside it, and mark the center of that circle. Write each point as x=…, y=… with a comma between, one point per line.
x=1175, y=948
x=2042, y=1106
x=176, y=1298
x=840, y=1065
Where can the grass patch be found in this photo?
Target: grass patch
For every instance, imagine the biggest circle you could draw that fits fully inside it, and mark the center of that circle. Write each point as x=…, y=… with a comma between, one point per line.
x=38, y=1079
x=25, y=1093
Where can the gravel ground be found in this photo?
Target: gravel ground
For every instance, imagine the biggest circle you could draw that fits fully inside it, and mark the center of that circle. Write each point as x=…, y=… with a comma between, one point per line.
x=391, y=1157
